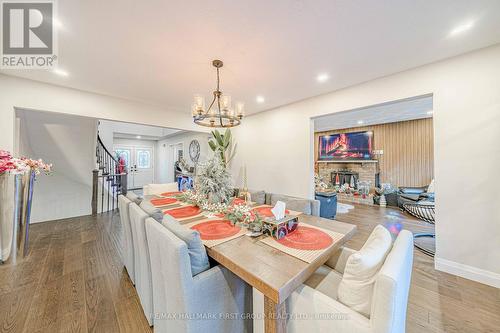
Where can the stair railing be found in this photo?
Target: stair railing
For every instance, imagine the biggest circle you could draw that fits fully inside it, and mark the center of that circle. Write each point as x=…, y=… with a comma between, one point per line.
x=108, y=181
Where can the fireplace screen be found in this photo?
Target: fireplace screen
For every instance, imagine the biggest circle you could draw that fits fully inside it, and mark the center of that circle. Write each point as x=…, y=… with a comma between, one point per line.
x=342, y=177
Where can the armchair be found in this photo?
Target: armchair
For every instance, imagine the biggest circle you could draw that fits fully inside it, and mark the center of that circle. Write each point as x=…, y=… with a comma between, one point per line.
x=389, y=301
x=318, y=296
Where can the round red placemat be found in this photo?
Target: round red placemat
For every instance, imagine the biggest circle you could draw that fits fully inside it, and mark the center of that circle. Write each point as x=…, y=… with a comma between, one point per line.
x=266, y=211
x=170, y=194
x=305, y=238
x=183, y=212
x=163, y=201
x=216, y=229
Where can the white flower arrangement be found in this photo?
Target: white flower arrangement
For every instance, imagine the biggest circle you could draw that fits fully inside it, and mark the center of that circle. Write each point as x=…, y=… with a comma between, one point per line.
x=213, y=181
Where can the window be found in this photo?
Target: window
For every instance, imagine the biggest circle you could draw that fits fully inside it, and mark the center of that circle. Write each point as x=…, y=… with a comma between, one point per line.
x=124, y=154
x=143, y=159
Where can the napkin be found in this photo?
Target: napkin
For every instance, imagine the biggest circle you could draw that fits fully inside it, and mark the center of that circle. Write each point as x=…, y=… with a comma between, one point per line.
x=279, y=210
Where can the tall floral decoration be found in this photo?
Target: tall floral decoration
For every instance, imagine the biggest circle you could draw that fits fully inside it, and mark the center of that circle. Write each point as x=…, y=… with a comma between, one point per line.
x=213, y=181
x=25, y=170
x=10, y=164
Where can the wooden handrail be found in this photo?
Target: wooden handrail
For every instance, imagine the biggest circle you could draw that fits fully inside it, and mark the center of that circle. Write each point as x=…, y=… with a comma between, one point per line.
x=99, y=141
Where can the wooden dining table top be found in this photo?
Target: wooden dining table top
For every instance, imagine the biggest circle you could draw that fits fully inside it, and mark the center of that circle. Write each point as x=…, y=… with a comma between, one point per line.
x=271, y=271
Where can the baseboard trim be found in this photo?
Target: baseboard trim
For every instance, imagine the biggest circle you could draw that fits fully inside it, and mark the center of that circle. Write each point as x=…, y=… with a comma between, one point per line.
x=468, y=272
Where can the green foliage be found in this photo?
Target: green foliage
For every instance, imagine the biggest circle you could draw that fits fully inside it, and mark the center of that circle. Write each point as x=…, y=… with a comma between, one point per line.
x=213, y=181
x=222, y=145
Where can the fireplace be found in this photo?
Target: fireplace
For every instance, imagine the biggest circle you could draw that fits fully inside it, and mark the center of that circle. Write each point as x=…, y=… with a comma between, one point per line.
x=341, y=177
x=361, y=171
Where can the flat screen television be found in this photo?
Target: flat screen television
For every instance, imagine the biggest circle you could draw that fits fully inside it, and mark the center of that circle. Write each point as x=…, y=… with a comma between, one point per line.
x=346, y=146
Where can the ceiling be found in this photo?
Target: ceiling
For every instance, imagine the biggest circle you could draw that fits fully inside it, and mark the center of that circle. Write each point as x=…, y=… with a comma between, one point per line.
x=409, y=109
x=124, y=130
x=160, y=52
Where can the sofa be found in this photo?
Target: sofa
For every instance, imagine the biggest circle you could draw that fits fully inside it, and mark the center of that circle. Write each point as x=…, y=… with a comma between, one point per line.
x=306, y=206
x=404, y=194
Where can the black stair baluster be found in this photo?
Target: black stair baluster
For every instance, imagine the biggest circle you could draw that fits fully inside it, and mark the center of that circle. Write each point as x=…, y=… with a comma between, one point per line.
x=102, y=193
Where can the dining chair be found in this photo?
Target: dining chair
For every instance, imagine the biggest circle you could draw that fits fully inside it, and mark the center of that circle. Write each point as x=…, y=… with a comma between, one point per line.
x=151, y=189
x=143, y=283
x=318, y=296
x=214, y=300
x=127, y=241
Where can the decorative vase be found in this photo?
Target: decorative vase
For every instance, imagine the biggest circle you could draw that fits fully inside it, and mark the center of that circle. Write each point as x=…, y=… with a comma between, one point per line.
x=6, y=214
x=15, y=213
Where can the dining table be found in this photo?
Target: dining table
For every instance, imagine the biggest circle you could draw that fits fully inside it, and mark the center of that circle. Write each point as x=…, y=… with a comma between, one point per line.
x=275, y=273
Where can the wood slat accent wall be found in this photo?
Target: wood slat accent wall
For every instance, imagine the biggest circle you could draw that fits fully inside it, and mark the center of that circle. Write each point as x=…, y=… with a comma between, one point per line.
x=408, y=146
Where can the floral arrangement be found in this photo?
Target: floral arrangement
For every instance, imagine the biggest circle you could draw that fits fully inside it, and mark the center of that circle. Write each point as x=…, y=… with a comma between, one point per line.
x=236, y=213
x=319, y=183
x=242, y=214
x=10, y=164
x=213, y=181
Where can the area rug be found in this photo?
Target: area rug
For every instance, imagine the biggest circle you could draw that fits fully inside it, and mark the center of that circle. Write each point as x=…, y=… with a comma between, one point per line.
x=343, y=208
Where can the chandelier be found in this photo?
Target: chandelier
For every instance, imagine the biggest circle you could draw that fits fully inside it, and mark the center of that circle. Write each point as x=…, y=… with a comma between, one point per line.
x=219, y=113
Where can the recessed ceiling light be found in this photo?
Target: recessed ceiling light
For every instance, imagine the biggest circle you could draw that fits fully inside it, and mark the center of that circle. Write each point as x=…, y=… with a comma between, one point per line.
x=138, y=137
x=60, y=72
x=323, y=77
x=260, y=99
x=459, y=29
x=360, y=122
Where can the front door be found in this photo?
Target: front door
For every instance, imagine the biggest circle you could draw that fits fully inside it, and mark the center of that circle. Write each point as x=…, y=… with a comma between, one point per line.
x=140, y=164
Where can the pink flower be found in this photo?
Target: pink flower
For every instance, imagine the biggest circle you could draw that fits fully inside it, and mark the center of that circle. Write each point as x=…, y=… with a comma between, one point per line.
x=5, y=155
x=6, y=165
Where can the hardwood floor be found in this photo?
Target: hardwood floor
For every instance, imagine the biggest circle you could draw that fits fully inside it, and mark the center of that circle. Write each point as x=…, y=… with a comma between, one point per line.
x=73, y=281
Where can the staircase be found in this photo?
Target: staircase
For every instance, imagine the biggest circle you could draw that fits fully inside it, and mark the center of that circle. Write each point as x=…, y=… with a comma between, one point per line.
x=109, y=180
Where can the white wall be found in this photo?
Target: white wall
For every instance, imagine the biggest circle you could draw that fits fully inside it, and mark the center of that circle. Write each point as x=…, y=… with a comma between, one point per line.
x=22, y=93
x=69, y=143
x=165, y=173
x=26, y=94
x=277, y=148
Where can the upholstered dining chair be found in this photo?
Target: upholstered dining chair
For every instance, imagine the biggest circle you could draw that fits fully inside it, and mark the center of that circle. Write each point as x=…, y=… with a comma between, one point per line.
x=143, y=283
x=151, y=189
x=127, y=241
x=179, y=297
x=319, y=296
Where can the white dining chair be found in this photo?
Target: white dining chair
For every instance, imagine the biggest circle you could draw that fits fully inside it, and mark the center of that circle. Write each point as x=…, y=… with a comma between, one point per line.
x=143, y=283
x=127, y=241
x=179, y=297
x=318, y=296
x=152, y=189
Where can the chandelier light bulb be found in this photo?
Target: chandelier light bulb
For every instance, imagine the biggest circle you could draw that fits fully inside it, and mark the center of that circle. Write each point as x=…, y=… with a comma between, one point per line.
x=199, y=101
x=225, y=102
x=240, y=109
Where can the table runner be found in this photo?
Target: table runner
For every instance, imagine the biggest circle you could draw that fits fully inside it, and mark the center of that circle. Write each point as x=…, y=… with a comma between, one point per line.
x=304, y=255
